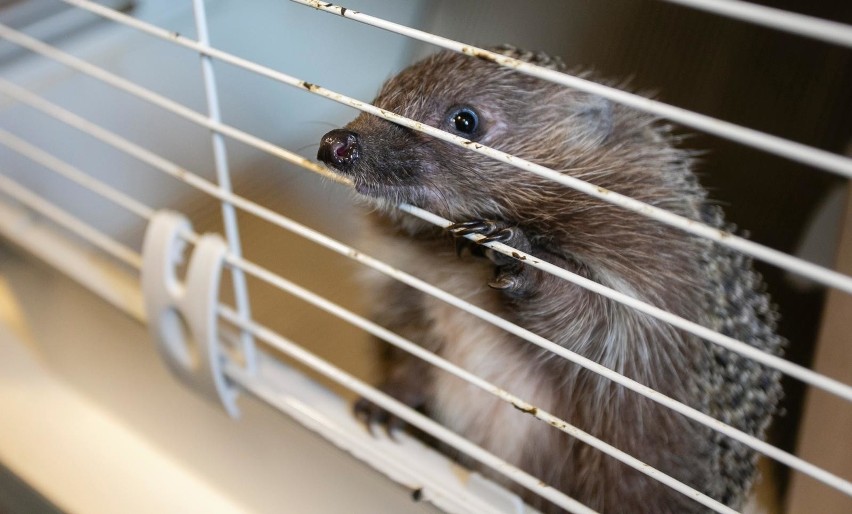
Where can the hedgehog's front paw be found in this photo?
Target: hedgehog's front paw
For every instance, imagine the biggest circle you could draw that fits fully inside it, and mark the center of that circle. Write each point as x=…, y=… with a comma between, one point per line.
x=511, y=276
x=494, y=231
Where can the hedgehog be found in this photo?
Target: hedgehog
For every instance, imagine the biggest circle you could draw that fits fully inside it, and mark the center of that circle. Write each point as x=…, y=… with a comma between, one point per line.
x=610, y=146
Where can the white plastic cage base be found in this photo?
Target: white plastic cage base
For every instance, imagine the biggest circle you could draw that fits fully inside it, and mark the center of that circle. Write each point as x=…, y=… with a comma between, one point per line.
x=141, y=453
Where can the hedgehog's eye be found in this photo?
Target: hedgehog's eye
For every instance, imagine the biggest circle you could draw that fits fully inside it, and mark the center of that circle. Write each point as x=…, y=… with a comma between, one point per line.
x=465, y=120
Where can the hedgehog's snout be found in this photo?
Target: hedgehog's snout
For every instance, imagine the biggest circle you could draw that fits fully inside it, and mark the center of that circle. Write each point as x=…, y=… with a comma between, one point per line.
x=340, y=149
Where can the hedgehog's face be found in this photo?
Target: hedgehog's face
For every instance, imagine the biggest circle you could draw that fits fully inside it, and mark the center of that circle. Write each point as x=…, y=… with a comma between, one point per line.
x=470, y=98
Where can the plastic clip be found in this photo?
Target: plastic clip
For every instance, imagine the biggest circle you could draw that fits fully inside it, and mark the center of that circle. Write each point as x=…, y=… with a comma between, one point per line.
x=183, y=318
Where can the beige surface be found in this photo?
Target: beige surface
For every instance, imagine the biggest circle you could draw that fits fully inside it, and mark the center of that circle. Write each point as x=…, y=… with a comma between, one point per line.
x=825, y=437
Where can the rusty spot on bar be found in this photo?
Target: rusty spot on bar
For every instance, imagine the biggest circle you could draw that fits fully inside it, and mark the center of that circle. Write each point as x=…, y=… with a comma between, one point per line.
x=527, y=410
x=479, y=54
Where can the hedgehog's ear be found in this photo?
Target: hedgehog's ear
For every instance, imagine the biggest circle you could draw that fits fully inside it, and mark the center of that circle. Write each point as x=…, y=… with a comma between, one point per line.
x=590, y=119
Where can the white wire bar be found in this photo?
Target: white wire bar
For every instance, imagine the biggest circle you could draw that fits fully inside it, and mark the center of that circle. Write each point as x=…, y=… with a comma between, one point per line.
x=182, y=174
x=74, y=174
x=796, y=265
x=793, y=23
x=319, y=238
x=773, y=144
x=88, y=265
x=418, y=351
x=392, y=405
x=223, y=176
x=69, y=222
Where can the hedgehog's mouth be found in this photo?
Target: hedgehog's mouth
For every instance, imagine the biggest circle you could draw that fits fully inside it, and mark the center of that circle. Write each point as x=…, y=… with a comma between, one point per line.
x=397, y=193
x=368, y=186
x=387, y=196
x=384, y=189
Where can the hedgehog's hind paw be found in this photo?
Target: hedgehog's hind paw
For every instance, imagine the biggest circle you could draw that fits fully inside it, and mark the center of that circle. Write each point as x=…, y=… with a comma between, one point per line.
x=373, y=415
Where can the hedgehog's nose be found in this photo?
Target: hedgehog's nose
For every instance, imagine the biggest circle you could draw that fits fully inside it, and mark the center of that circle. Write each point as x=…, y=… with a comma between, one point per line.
x=340, y=149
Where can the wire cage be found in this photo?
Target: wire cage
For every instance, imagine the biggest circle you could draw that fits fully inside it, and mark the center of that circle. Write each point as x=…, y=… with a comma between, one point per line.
x=161, y=155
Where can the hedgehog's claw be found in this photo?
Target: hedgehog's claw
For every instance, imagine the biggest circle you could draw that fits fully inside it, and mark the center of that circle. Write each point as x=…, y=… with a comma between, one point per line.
x=510, y=276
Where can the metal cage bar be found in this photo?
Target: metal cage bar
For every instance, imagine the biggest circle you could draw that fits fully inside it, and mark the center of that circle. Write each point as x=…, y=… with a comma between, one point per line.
x=241, y=317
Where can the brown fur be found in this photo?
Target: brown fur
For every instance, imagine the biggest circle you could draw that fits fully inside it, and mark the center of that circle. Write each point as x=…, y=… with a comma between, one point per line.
x=610, y=146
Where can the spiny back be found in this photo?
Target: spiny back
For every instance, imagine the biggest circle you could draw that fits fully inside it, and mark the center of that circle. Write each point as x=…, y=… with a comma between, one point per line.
x=740, y=391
